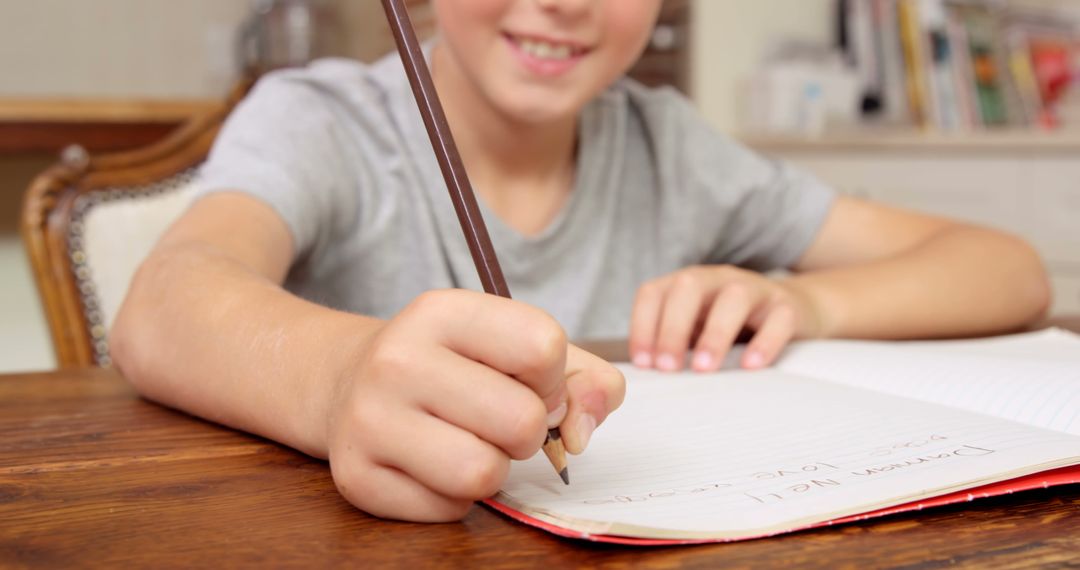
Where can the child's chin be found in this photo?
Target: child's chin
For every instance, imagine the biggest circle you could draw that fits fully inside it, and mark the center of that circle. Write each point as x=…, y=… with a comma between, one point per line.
x=539, y=112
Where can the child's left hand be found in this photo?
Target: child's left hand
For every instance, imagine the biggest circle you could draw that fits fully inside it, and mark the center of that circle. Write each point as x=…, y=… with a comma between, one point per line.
x=706, y=307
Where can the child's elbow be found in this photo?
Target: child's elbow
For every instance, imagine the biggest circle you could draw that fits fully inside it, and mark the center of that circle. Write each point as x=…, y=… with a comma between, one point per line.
x=129, y=336
x=123, y=348
x=1033, y=289
x=1041, y=296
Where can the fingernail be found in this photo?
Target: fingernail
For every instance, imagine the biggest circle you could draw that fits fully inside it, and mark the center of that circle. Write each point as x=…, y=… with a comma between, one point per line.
x=643, y=360
x=586, y=424
x=666, y=362
x=754, y=359
x=556, y=416
x=703, y=361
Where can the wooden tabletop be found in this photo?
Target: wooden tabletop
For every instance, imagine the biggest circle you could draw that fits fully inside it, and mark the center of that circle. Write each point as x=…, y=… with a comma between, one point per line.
x=90, y=475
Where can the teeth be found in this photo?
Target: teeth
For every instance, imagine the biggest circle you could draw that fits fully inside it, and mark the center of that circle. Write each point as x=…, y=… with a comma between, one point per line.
x=545, y=50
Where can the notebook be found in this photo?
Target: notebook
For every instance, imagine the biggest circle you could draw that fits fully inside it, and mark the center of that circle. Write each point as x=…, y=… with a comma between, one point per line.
x=838, y=431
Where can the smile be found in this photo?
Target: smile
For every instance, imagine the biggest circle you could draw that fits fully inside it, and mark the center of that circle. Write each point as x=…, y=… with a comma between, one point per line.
x=544, y=49
x=546, y=56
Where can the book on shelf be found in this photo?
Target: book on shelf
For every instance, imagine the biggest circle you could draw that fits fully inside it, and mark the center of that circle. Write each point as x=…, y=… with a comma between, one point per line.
x=963, y=65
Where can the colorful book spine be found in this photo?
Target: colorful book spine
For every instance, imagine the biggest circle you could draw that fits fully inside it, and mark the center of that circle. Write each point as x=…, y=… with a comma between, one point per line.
x=940, y=79
x=985, y=65
x=894, y=76
x=1023, y=74
x=911, y=40
x=963, y=72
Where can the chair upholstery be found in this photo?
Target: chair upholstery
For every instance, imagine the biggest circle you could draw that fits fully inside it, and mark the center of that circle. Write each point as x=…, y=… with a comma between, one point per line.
x=88, y=222
x=111, y=233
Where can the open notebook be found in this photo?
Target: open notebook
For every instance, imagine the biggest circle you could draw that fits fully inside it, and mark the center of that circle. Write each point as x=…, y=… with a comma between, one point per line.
x=838, y=431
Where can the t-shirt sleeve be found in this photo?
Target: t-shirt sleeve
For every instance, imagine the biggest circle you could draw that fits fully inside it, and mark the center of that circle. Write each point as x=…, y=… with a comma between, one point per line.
x=779, y=212
x=283, y=145
x=736, y=206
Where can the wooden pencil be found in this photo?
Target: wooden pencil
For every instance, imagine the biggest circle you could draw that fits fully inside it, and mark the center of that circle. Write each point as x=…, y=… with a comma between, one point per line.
x=457, y=181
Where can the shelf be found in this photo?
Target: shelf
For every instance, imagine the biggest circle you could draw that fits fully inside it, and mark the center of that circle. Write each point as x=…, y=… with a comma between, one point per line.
x=885, y=140
x=101, y=110
x=48, y=125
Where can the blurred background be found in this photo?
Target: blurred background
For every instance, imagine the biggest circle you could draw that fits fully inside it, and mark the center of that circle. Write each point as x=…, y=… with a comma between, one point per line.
x=969, y=108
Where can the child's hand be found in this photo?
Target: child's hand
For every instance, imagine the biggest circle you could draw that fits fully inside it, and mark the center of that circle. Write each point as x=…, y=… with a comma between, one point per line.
x=445, y=394
x=707, y=307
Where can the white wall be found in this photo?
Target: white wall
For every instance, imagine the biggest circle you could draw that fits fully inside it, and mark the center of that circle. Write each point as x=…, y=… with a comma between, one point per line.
x=174, y=49
x=141, y=48
x=150, y=48
x=730, y=37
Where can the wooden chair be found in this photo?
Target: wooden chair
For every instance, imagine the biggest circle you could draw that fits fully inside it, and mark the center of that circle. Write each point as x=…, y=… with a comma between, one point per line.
x=88, y=222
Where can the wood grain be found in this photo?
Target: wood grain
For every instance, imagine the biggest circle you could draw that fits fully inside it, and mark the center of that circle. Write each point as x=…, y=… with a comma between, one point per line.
x=30, y=137
x=49, y=125
x=113, y=111
x=92, y=475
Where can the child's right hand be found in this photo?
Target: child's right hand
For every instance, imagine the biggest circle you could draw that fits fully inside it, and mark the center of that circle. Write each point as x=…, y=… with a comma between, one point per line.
x=443, y=396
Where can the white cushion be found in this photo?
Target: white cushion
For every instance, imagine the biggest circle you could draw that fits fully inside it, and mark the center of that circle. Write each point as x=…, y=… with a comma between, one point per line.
x=119, y=233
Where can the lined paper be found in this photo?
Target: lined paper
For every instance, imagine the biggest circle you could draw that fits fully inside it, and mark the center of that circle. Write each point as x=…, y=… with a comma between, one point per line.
x=1053, y=344
x=739, y=454
x=1043, y=393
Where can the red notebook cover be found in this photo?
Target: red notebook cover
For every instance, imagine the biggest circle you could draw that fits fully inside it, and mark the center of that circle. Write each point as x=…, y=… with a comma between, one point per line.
x=1046, y=479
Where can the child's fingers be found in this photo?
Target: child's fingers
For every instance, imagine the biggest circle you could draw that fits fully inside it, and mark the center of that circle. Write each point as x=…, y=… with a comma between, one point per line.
x=644, y=321
x=442, y=457
x=679, y=316
x=775, y=332
x=513, y=338
x=389, y=493
x=725, y=319
x=596, y=389
x=478, y=399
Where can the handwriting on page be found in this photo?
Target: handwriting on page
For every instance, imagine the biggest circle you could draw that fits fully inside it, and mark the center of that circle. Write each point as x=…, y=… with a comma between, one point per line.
x=842, y=477
x=793, y=481
x=748, y=450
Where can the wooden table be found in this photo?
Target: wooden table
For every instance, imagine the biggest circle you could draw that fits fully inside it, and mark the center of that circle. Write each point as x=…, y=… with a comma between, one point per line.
x=92, y=475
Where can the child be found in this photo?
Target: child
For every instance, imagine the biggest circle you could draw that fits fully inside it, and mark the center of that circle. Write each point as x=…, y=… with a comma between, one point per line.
x=309, y=294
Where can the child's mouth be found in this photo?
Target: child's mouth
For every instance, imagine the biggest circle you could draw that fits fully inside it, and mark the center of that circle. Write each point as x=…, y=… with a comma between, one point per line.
x=544, y=56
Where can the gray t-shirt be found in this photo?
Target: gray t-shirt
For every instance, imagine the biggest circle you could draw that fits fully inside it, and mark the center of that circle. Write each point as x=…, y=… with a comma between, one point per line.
x=340, y=152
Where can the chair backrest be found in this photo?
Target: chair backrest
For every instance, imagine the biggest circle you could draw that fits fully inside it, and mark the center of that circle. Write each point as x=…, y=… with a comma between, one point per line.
x=88, y=222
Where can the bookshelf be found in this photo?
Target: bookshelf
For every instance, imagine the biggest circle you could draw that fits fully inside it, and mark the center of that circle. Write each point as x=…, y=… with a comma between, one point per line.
x=964, y=65
x=969, y=109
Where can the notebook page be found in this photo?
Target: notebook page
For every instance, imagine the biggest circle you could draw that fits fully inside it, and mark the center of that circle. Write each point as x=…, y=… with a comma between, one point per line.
x=1041, y=393
x=738, y=454
x=1053, y=344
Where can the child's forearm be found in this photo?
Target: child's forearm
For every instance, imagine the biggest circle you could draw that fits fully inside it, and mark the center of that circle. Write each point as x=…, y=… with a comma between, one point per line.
x=962, y=281
x=201, y=332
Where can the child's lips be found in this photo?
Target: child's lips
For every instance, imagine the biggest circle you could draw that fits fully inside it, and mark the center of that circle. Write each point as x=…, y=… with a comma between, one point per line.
x=544, y=56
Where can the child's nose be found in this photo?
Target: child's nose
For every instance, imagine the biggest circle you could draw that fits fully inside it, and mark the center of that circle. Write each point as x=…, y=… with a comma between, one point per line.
x=565, y=6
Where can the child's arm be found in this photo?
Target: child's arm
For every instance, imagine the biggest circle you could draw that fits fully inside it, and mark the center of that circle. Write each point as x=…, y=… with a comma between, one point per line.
x=872, y=272
x=419, y=415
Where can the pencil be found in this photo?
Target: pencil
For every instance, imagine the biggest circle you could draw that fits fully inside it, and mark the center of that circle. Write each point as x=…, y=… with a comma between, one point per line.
x=457, y=182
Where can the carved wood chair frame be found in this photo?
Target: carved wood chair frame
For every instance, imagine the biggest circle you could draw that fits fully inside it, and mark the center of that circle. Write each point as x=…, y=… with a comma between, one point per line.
x=51, y=223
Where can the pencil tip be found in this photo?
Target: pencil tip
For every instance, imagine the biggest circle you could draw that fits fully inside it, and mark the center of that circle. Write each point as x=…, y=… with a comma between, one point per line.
x=565, y=474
